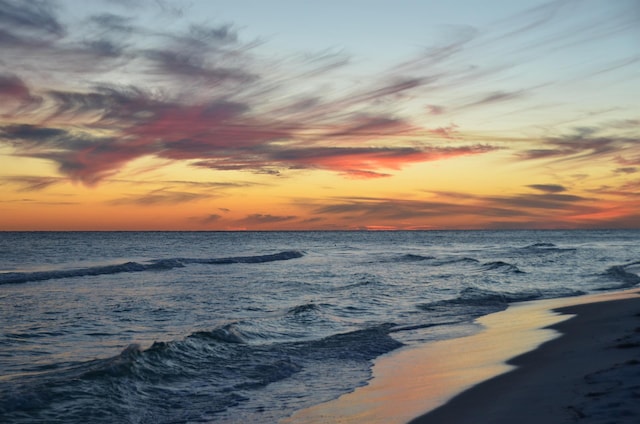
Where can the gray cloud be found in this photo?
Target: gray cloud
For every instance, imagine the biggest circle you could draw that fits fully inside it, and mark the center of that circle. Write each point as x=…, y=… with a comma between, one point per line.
x=497, y=97
x=584, y=143
x=35, y=16
x=551, y=201
x=209, y=219
x=31, y=183
x=14, y=90
x=626, y=170
x=399, y=209
x=110, y=23
x=548, y=188
x=258, y=219
x=161, y=196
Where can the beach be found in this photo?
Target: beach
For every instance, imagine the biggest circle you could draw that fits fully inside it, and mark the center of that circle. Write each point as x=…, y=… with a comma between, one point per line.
x=553, y=361
x=591, y=374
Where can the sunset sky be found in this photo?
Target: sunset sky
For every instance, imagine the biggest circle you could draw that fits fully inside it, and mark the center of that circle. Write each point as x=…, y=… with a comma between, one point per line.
x=290, y=115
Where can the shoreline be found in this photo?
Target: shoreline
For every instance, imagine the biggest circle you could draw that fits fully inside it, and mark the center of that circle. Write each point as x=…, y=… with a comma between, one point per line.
x=459, y=380
x=591, y=373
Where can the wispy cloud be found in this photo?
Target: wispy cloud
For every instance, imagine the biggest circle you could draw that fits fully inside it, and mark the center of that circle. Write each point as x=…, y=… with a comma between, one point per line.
x=31, y=183
x=390, y=209
x=161, y=196
x=30, y=18
x=583, y=144
x=210, y=219
x=261, y=219
x=626, y=170
x=552, y=209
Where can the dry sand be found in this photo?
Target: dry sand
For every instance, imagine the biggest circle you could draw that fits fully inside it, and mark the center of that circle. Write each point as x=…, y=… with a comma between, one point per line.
x=590, y=374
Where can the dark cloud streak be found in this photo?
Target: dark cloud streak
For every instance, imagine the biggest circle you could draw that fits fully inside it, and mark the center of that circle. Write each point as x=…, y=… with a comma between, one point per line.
x=548, y=188
x=32, y=183
x=260, y=219
x=34, y=16
x=161, y=196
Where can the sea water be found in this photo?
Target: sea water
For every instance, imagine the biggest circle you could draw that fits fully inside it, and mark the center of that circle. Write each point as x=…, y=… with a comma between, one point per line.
x=223, y=327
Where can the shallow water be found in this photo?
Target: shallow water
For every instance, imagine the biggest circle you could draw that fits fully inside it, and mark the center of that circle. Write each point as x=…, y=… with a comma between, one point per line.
x=250, y=327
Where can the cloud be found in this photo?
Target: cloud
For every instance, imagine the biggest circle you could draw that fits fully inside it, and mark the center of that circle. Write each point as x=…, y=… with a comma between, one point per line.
x=551, y=201
x=204, y=96
x=358, y=162
x=449, y=132
x=461, y=210
x=370, y=127
x=435, y=109
x=496, y=97
x=631, y=160
x=161, y=196
x=222, y=129
x=110, y=23
x=548, y=188
x=31, y=183
x=259, y=219
x=12, y=88
x=32, y=134
x=105, y=106
x=193, y=65
x=35, y=17
x=364, y=175
x=583, y=144
x=626, y=170
x=79, y=155
x=214, y=217
x=390, y=209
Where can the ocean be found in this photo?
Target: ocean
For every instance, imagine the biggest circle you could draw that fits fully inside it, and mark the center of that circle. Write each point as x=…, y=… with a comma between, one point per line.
x=239, y=327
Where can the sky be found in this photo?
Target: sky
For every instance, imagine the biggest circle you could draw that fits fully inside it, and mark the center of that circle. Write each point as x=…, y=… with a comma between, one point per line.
x=332, y=115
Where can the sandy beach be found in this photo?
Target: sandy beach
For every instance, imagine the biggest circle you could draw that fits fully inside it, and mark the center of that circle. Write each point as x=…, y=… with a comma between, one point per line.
x=591, y=374
x=553, y=361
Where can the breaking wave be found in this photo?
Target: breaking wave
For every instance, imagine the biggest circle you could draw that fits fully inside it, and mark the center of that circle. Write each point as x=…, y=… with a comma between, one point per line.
x=622, y=274
x=501, y=266
x=215, y=368
x=473, y=302
x=545, y=248
x=155, y=265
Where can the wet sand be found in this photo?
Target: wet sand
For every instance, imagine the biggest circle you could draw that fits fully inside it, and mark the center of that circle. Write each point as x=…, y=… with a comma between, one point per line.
x=554, y=361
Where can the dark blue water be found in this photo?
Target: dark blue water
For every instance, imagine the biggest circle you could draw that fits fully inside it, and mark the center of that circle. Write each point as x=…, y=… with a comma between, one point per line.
x=250, y=327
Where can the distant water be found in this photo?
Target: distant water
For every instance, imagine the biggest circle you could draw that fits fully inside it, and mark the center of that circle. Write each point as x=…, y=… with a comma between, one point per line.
x=176, y=327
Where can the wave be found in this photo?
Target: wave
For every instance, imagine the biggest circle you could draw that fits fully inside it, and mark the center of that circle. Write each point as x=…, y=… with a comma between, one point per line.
x=432, y=260
x=501, y=266
x=364, y=345
x=303, y=309
x=473, y=302
x=545, y=248
x=206, y=367
x=154, y=265
x=409, y=257
x=464, y=260
x=228, y=333
x=477, y=296
x=623, y=275
x=363, y=283
x=538, y=245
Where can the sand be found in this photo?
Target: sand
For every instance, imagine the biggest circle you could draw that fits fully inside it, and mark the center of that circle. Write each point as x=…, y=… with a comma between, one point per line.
x=591, y=374
x=554, y=361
